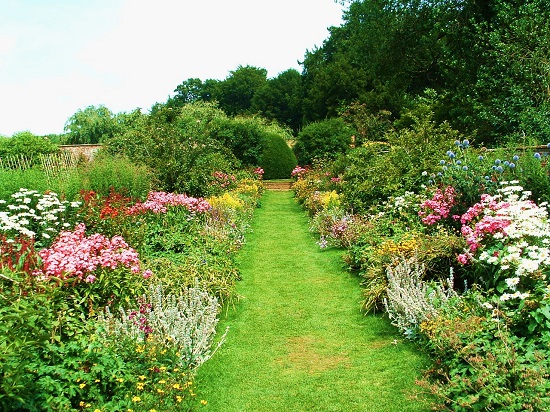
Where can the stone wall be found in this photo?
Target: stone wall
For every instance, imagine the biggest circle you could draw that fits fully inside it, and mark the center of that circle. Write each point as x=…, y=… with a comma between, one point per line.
x=87, y=151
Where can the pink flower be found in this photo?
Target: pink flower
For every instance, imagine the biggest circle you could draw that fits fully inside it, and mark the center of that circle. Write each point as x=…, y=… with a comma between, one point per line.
x=75, y=255
x=464, y=259
x=439, y=207
x=147, y=274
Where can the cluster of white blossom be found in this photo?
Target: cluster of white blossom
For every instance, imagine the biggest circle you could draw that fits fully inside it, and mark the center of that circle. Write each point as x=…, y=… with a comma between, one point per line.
x=523, y=245
x=33, y=214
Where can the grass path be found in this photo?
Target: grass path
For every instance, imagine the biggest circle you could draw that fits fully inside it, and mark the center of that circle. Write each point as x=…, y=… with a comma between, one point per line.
x=297, y=339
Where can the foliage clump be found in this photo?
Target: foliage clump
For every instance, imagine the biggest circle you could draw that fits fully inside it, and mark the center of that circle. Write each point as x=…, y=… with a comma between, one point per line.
x=277, y=158
x=323, y=140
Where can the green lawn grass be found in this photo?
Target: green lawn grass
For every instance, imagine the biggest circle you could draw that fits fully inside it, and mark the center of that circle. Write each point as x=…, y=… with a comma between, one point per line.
x=297, y=339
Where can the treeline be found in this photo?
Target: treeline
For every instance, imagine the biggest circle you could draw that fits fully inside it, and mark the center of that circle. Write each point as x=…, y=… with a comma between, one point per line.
x=485, y=63
x=481, y=67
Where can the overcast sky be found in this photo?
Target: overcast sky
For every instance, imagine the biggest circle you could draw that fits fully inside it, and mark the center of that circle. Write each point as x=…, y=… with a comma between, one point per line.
x=59, y=56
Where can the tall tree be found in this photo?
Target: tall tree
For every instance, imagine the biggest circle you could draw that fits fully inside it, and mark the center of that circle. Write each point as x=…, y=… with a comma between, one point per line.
x=280, y=99
x=91, y=125
x=237, y=90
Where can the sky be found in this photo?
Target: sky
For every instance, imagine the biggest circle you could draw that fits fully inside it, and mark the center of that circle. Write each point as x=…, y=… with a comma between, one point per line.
x=61, y=56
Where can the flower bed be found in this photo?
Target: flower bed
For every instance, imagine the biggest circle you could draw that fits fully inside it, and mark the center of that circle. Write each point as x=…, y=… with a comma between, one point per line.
x=162, y=267
x=460, y=266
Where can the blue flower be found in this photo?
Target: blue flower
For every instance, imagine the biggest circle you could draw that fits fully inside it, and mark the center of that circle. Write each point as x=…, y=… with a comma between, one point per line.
x=506, y=163
x=464, y=168
x=499, y=169
x=444, y=168
x=515, y=158
x=480, y=157
x=442, y=162
x=537, y=155
x=512, y=165
x=439, y=174
x=457, y=142
x=487, y=178
x=466, y=143
x=451, y=154
x=459, y=162
x=497, y=162
x=548, y=145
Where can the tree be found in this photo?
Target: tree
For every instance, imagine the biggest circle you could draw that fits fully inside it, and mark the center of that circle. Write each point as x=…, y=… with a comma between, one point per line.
x=280, y=99
x=91, y=125
x=235, y=93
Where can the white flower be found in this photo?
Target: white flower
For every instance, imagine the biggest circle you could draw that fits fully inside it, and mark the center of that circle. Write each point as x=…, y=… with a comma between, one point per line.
x=512, y=282
x=487, y=305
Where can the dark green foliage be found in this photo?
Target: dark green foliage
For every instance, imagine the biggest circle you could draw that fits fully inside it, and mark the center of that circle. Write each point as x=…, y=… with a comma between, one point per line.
x=280, y=99
x=377, y=170
x=323, y=140
x=238, y=89
x=243, y=136
x=179, y=145
x=277, y=158
x=488, y=60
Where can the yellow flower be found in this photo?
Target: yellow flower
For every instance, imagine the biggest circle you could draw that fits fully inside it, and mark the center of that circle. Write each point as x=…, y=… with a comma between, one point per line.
x=178, y=398
x=81, y=403
x=143, y=377
x=152, y=410
x=204, y=402
x=176, y=386
x=162, y=381
x=97, y=410
x=82, y=385
x=97, y=380
x=136, y=399
x=160, y=391
x=120, y=380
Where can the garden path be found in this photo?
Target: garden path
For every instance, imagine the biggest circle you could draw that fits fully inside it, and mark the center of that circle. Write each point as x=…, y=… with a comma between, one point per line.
x=297, y=339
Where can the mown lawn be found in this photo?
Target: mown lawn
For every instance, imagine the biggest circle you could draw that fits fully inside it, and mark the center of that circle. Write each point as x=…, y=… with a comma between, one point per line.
x=297, y=339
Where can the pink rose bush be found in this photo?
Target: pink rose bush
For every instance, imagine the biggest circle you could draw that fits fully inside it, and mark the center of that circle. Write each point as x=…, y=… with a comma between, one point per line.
x=75, y=255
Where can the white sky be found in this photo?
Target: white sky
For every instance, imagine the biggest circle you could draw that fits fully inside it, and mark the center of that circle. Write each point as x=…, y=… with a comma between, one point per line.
x=59, y=56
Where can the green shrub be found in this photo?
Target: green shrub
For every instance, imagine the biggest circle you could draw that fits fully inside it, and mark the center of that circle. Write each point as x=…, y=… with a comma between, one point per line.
x=28, y=145
x=277, y=158
x=323, y=139
x=106, y=173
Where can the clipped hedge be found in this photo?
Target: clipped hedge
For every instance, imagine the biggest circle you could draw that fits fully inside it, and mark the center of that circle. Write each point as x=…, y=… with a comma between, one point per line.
x=277, y=157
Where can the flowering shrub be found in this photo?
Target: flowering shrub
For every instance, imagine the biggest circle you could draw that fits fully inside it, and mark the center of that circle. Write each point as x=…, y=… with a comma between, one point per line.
x=224, y=180
x=510, y=232
x=259, y=172
x=298, y=172
x=157, y=202
x=438, y=207
x=75, y=255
